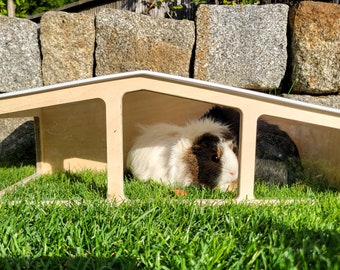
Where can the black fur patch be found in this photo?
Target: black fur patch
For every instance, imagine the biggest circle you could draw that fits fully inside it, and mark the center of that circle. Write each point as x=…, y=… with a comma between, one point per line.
x=226, y=116
x=205, y=148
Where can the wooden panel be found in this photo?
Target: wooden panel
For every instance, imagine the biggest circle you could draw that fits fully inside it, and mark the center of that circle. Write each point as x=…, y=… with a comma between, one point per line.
x=73, y=136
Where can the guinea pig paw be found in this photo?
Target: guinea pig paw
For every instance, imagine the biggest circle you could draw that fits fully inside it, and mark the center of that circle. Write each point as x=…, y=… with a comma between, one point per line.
x=231, y=186
x=223, y=187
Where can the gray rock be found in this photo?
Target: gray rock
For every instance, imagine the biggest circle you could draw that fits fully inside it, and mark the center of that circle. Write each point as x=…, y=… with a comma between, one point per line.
x=17, y=141
x=274, y=172
x=67, y=44
x=20, y=62
x=20, y=68
x=315, y=47
x=332, y=101
x=243, y=45
x=127, y=41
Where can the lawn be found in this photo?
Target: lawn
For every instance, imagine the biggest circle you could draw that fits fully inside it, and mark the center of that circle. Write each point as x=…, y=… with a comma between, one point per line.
x=158, y=230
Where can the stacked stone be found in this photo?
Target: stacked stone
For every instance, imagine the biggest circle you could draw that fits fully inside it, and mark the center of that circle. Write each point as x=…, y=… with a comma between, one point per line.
x=20, y=62
x=67, y=45
x=128, y=41
x=125, y=41
x=20, y=68
x=243, y=46
x=315, y=48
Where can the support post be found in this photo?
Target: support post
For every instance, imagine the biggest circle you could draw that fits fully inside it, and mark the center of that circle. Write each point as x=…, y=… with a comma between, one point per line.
x=247, y=155
x=114, y=142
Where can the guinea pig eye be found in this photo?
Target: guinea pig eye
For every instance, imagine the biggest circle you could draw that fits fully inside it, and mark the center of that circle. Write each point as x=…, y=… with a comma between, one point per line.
x=215, y=158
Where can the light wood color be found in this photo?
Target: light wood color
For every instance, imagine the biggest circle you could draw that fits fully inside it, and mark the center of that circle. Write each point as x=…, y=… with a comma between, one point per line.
x=92, y=123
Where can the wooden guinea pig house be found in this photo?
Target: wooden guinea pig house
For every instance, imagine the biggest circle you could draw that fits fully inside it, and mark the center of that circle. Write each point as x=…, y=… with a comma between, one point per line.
x=92, y=123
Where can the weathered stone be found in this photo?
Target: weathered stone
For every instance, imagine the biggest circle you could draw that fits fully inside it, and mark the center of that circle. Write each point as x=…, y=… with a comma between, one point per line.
x=17, y=141
x=315, y=47
x=20, y=63
x=20, y=68
x=273, y=172
x=332, y=101
x=243, y=45
x=67, y=44
x=127, y=41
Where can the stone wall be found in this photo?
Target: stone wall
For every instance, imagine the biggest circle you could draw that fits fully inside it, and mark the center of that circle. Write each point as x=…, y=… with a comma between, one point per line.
x=315, y=48
x=67, y=47
x=258, y=47
x=20, y=62
x=268, y=48
x=20, y=68
x=243, y=46
x=127, y=41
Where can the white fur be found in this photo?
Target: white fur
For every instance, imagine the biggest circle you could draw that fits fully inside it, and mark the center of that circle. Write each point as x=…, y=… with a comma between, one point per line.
x=230, y=168
x=158, y=153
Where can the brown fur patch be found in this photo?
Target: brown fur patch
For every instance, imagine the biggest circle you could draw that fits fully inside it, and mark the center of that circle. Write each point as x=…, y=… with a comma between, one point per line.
x=192, y=165
x=229, y=136
x=219, y=153
x=234, y=147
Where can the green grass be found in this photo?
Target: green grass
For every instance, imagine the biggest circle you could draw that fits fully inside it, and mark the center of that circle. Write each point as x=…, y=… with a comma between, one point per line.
x=11, y=175
x=157, y=230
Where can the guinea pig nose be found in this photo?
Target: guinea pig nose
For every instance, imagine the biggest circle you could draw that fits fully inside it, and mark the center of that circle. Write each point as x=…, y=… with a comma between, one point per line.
x=232, y=173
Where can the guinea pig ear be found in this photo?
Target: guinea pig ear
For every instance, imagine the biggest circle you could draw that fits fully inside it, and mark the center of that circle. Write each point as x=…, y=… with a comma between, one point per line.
x=234, y=148
x=205, y=141
x=230, y=138
x=228, y=135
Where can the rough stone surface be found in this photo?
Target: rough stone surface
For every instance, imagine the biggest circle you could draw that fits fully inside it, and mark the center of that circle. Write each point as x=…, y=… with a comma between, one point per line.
x=17, y=141
x=332, y=101
x=20, y=68
x=274, y=172
x=67, y=44
x=243, y=45
x=127, y=41
x=315, y=47
x=20, y=62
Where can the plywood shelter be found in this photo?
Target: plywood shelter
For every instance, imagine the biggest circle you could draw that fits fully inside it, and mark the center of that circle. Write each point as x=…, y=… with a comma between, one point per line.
x=91, y=123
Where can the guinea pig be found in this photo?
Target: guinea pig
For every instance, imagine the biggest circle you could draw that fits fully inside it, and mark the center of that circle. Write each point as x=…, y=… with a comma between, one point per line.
x=201, y=152
x=277, y=157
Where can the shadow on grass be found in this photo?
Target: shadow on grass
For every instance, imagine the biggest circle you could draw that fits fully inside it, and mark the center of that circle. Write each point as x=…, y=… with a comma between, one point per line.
x=277, y=246
x=72, y=262
x=88, y=181
x=318, y=249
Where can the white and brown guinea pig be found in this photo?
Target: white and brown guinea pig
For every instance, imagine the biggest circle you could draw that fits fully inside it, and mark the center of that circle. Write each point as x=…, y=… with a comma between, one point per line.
x=201, y=152
x=277, y=156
